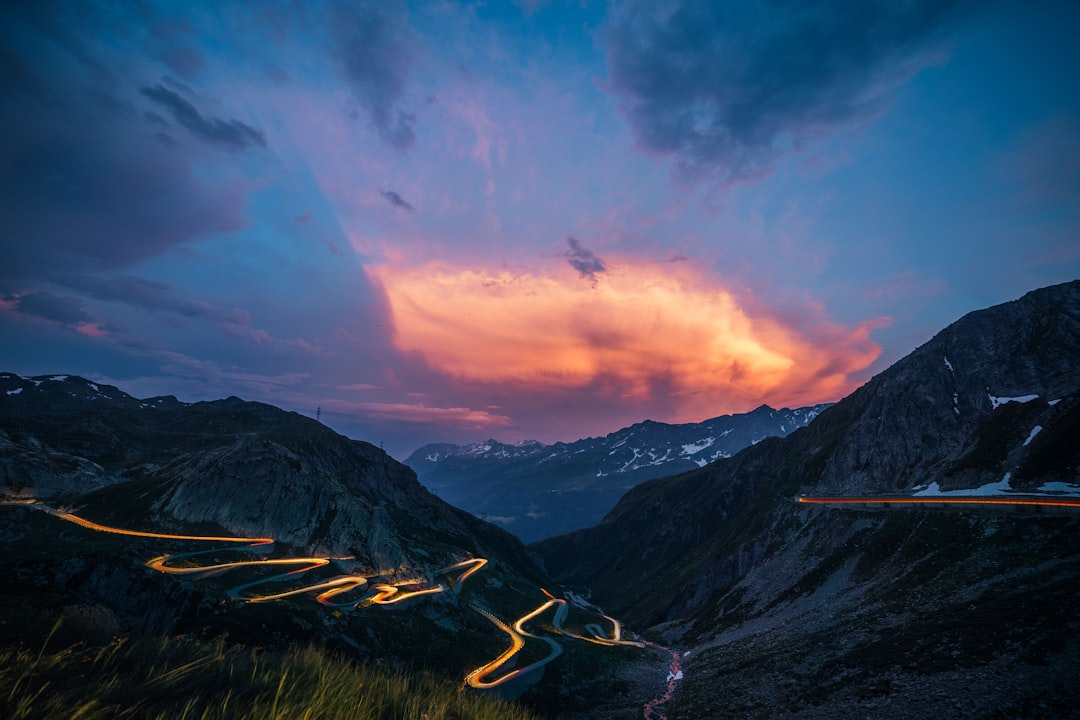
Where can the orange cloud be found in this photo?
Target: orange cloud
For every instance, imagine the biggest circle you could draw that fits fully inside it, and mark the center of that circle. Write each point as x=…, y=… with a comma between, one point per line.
x=642, y=329
x=456, y=416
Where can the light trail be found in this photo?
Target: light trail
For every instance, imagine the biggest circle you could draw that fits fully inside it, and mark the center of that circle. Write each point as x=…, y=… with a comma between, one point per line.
x=139, y=533
x=944, y=500
x=518, y=633
x=381, y=594
x=475, y=679
x=385, y=594
x=474, y=565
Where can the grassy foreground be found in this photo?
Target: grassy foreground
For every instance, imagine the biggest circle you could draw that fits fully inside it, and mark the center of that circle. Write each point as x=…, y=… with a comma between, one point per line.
x=176, y=679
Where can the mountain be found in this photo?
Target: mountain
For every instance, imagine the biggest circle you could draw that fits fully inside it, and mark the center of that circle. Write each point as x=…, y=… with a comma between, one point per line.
x=246, y=467
x=537, y=491
x=874, y=610
x=238, y=522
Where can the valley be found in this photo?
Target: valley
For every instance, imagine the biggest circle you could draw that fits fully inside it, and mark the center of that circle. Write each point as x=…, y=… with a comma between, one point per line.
x=381, y=593
x=913, y=551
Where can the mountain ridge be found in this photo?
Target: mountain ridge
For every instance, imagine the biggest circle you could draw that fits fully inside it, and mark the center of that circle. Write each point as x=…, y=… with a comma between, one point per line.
x=536, y=490
x=865, y=611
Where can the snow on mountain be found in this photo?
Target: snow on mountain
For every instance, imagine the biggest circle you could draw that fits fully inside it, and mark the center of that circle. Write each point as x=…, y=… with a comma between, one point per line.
x=536, y=490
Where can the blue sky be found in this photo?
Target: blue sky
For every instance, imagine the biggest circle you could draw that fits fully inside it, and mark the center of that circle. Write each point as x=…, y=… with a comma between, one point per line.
x=453, y=221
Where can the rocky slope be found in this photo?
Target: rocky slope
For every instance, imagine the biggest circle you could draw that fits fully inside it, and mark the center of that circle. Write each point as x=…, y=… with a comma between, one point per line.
x=537, y=491
x=231, y=467
x=248, y=468
x=882, y=612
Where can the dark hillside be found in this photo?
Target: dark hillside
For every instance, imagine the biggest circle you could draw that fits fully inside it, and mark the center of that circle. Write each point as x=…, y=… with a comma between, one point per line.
x=826, y=607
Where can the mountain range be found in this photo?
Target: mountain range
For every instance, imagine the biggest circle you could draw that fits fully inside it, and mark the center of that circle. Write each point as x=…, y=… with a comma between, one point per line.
x=537, y=491
x=796, y=578
x=856, y=610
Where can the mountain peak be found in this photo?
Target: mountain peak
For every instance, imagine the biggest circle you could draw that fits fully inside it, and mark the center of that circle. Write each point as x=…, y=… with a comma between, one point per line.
x=536, y=490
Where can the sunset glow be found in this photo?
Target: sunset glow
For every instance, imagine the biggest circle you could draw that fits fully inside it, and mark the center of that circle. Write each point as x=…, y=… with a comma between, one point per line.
x=442, y=222
x=637, y=330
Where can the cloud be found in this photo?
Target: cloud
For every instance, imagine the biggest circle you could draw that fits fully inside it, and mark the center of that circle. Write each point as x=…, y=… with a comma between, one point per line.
x=649, y=332
x=583, y=260
x=396, y=200
x=83, y=187
x=43, y=304
x=460, y=417
x=230, y=133
x=373, y=49
x=723, y=87
x=152, y=295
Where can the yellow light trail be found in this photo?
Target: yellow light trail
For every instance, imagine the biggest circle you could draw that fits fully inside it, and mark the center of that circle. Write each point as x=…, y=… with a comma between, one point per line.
x=139, y=533
x=475, y=678
x=474, y=565
x=383, y=594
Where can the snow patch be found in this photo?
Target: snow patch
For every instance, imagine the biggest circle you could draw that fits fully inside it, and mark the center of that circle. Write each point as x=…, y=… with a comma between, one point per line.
x=1000, y=487
x=701, y=462
x=59, y=378
x=16, y=391
x=997, y=402
x=1031, y=436
x=95, y=388
x=1059, y=487
x=948, y=364
x=695, y=448
x=1054, y=402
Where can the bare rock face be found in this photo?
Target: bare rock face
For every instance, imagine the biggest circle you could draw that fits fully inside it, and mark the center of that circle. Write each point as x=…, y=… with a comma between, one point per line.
x=916, y=422
x=28, y=470
x=338, y=498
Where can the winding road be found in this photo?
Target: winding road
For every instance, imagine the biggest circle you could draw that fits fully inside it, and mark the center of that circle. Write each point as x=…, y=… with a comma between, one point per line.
x=483, y=677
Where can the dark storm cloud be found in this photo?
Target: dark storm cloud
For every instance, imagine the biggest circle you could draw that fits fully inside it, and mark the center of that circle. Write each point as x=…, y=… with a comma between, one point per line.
x=396, y=200
x=719, y=85
x=583, y=260
x=373, y=49
x=230, y=133
x=152, y=295
x=58, y=308
x=80, y=196
x=85, y=184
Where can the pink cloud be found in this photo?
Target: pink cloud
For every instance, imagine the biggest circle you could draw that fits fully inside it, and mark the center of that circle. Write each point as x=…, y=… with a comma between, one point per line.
x=644, y=330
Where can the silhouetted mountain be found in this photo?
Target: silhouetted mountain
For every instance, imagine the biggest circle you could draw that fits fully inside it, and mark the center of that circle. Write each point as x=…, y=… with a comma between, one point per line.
x=246, y=467
x=537, y=490
x=887, y=612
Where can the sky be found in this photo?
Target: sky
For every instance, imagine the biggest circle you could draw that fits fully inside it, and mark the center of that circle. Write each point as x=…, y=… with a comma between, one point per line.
x=452, y=221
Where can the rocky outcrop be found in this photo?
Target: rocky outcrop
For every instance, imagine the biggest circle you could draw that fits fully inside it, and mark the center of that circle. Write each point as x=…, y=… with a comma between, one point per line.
x=914, y=422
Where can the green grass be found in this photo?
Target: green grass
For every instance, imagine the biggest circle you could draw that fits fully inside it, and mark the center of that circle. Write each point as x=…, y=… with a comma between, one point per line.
x=185, y=679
